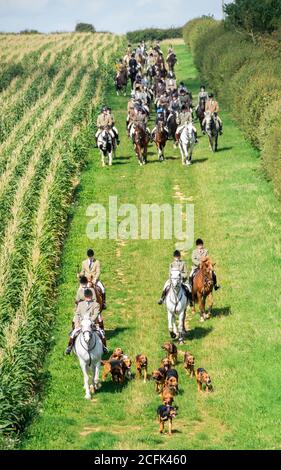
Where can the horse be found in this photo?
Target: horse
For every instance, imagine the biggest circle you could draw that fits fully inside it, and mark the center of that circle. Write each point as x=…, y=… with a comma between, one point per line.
x=132, y=75
x=89, y=350
x=176, y=303
x=172, y=60
x=212, y=131
x=141, y=141
x=200, y=112
x=151, y=72
x=160, y=139
x=172, y=127
x=107, y=146
x=202, y=287
x=121, y=82
x=186, y=143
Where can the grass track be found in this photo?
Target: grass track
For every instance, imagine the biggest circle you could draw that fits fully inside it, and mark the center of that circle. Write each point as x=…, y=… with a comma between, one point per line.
x=238, y=215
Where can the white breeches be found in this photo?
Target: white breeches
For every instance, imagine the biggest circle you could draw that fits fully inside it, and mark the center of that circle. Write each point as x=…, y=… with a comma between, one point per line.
x=110, y=132
x=101, y=286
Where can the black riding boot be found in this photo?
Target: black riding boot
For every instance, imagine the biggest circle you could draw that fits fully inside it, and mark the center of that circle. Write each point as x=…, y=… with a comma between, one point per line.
x=105, y=350
x=117, y=138
x=162, y=298
x=69, y=347
x=104, y=306
x=188, y=294
x=216, y=286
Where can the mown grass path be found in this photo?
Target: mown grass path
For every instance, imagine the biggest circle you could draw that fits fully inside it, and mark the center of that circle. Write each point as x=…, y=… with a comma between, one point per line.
x=238, y=215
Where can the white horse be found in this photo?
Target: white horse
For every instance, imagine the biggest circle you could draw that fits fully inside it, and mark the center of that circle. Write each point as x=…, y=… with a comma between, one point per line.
x=89, y=350
x=107, y=146
x=211, y=128
x=176, y=302
x=186, y=143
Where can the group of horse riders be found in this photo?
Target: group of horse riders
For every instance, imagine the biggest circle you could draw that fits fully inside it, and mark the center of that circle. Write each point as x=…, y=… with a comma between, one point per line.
x=90, y=300
x=150, y=80
x=187, y=279
x=153, y=78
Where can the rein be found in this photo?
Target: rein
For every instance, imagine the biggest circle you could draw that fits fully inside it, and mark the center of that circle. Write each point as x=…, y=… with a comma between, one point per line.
x=87, y=349
x=176, y=296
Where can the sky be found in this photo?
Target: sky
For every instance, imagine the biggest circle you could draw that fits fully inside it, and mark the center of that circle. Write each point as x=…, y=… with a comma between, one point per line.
x=118, y=16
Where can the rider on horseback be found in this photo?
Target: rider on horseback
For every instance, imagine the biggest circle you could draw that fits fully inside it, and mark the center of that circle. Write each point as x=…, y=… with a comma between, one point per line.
x=174, y=106
x=171, y=83
x=88, y=308
x=140, y=117
x=183, y=118
x=212, y=106
x=160, y=119
x=185, y=98
x=202, y=95
x=114, y=128
x=179, y=265
x=91, y=269
x=104, y=121
x=197, y=256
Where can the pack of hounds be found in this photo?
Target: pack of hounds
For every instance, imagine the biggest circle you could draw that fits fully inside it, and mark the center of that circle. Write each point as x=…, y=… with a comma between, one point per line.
x=166, y=378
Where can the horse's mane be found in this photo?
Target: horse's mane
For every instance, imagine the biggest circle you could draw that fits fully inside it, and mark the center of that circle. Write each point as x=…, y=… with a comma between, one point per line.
x=204, y=261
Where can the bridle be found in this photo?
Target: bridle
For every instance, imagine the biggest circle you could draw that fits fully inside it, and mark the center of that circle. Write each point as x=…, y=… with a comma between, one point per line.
x=91, y=335
x=176, y=292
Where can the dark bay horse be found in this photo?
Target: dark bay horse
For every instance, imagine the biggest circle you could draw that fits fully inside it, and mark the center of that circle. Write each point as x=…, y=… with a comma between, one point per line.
x=172, y=60
x=121, y=82
x=172, y=127
x=141, y=141
x=202, y=288
x=160, y=139
x=200, y=112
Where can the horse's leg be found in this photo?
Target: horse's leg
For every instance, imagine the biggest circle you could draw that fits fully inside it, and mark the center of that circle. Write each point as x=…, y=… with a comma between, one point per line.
x=213, y=143
x=201, y=307
x=216, y=145
x=144, y=154
x=96, y=376
x=110, y=157
x=210, y=304
x=170, y=322
x=181, y=327
x=102, y=159
x=86, y=379
x=182, y=153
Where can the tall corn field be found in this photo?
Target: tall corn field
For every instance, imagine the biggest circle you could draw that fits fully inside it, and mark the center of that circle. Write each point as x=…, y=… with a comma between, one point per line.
x=51, y=88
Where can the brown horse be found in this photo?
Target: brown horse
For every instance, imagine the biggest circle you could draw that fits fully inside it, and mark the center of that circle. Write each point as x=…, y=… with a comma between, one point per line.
x=141, y=141
x=121, y=82
x=171, y=61
x=202, y=288
x=160, y=139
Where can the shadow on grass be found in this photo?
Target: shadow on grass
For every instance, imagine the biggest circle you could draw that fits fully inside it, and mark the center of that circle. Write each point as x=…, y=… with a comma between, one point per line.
x=110, y=387
x=221, y=312
x=224, y=149
x=198, y=332
x=120, y=163
x=199, y=160
x=121, y=158
x=112, y=333
x=172, y=158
